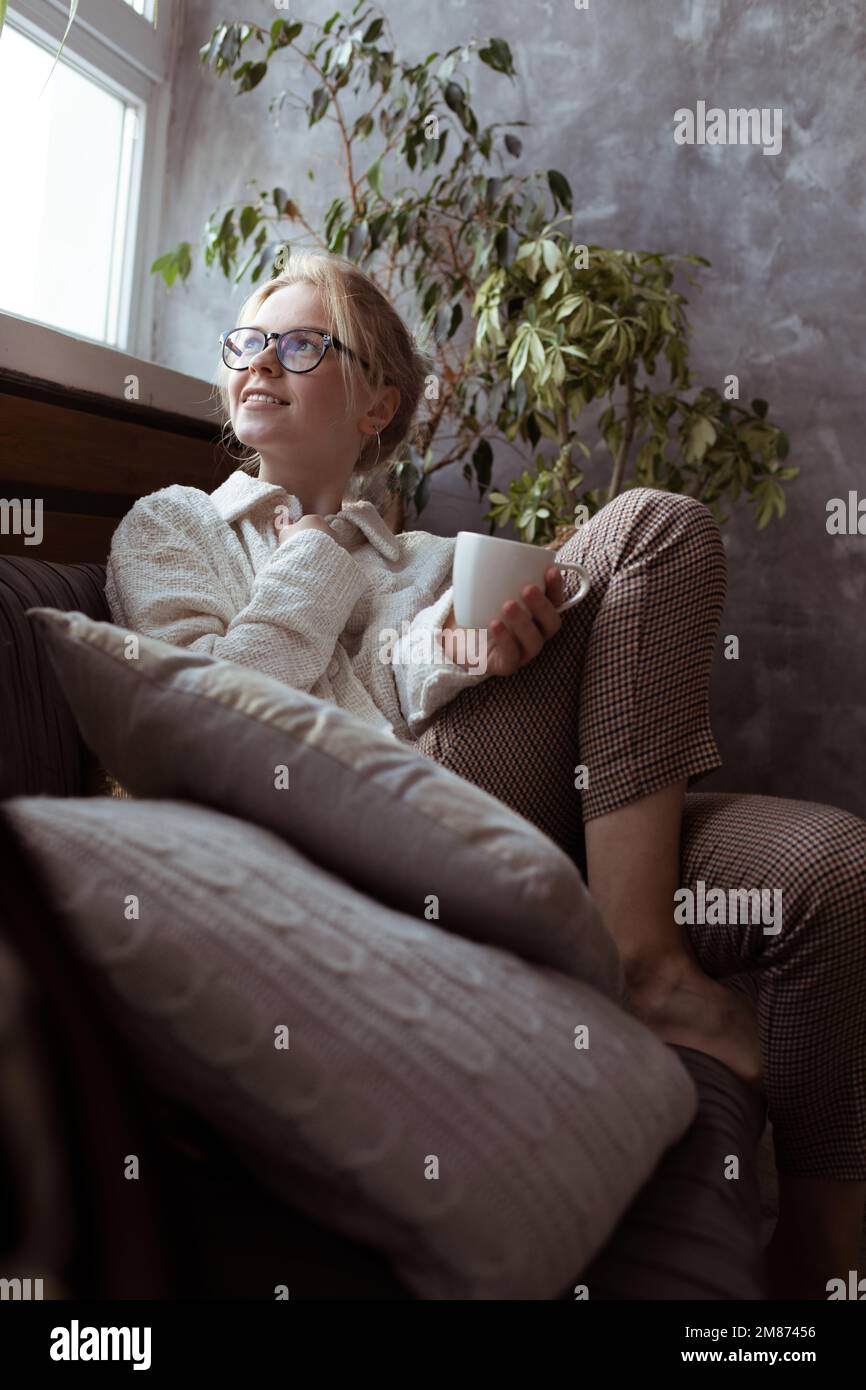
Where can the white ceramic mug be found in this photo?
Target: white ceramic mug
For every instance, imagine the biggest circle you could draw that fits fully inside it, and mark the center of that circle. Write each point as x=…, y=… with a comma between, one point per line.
x=488, y=571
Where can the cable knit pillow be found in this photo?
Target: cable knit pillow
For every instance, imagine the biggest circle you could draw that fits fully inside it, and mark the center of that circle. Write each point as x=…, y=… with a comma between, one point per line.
x=191, y=727
x=482, y=1121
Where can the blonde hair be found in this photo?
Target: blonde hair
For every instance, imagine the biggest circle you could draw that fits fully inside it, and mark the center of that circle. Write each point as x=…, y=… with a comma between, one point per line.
x=361, y=317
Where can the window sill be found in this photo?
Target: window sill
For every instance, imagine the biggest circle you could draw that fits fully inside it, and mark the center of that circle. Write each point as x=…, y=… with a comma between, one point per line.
x=36, y=353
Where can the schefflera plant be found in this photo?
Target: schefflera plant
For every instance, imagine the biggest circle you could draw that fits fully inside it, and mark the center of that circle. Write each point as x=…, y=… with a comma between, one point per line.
x=527, y=328
x=575, y=324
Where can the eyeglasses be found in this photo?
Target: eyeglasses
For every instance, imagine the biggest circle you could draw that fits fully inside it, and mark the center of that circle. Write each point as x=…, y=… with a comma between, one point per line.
x=299, y=350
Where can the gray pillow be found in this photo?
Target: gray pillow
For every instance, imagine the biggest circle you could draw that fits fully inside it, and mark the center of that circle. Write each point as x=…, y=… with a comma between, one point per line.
x=191, y=727
x=429, y=1097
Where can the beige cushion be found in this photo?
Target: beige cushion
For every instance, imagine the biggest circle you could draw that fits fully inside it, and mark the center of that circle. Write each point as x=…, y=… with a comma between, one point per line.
x=191, y=727
x=431, y=1100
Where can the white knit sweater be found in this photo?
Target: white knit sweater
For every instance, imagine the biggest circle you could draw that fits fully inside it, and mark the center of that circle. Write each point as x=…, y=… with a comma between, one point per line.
x=206, y=572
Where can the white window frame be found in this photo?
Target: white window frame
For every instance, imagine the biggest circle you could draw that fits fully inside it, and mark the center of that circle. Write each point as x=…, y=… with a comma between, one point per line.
x=121, y=50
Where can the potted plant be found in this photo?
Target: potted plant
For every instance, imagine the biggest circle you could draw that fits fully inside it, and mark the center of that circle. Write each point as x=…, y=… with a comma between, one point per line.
x=533, y=333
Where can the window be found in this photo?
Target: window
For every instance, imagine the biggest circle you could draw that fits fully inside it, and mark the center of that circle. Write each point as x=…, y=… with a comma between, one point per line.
x=142, y=7
x=79, y=168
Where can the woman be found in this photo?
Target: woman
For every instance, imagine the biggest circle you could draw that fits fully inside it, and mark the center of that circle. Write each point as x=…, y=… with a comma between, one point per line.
x=281, y=570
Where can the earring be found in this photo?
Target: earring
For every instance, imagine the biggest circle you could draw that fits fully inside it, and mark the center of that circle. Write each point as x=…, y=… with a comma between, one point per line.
x=378, y=450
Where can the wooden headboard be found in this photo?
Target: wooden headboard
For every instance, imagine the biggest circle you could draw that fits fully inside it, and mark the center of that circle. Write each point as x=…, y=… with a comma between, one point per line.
x=88, y=457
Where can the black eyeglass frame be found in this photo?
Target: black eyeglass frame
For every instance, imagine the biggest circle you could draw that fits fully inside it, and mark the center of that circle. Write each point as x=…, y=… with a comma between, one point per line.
x=328, y=340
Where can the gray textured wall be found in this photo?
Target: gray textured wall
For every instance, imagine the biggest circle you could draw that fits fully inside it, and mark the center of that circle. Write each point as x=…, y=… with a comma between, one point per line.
x=782, y=306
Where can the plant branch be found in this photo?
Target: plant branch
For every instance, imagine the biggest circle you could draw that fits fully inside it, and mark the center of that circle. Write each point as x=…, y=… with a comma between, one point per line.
x=621, y=460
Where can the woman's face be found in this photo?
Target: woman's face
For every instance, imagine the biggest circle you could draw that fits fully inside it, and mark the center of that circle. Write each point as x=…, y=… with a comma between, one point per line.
x=310, y=428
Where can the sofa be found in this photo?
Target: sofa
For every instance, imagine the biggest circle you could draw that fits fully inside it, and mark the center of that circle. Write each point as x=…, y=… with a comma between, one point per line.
x=206, y=1225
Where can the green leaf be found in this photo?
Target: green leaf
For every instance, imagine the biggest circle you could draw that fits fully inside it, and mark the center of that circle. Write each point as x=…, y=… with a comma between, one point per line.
x=441, y=320
x=319, y=105
x=208, y=50
x=357, y=239
x=482, y=458
x=783, y=447
x=567, y=306
x=548, y=428
x=754, y=436
x=173, y=263
x=251, y=75
x=520, y=359
x=379, y=227
x=560, y=188
x=536, y=351
x=374, y=176
x=249, y=221
x=513, y=145
x=342, y=56
x=226, y=225
x=769, y=497
x=374, y=29
x=497, y=55
x=283, y=33
x=446, y=68
x=422, y=493
x=551, y=255
x=605, y=341
x=166, y=266
x=613, y=437
x=702, y=436
x=759, y=408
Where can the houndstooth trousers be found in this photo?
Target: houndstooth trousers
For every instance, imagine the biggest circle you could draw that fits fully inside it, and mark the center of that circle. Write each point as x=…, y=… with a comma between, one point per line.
x=623, y=690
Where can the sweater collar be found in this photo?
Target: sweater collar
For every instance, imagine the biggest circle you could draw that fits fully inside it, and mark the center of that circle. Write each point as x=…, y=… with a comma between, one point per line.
x=241, y=494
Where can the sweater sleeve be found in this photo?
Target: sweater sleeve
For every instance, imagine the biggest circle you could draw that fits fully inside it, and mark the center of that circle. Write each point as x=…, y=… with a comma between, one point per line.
x=167, y=577
x=425, y=678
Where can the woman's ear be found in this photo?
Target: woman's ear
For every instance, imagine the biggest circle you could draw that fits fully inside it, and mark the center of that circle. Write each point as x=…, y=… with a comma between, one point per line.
x=383, y=409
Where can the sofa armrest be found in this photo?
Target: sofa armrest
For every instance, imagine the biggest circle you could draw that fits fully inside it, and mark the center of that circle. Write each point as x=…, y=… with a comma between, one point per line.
x=41, y=751
x=693, y=1231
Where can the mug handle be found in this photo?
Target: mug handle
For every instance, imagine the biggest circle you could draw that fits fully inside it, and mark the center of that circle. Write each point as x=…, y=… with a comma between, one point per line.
x=585, y=582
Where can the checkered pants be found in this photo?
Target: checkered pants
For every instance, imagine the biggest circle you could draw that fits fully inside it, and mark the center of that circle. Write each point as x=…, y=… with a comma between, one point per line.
x=623, y=691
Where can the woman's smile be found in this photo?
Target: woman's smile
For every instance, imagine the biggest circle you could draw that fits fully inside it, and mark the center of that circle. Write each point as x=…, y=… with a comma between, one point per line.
x=262, y=400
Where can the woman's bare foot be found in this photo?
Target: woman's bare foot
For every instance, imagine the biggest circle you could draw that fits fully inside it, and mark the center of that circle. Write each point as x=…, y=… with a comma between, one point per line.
x=685, y=1007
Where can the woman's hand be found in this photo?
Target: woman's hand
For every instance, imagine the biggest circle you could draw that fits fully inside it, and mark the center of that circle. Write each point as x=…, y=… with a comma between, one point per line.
x=516, y=636
x=285, y=529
